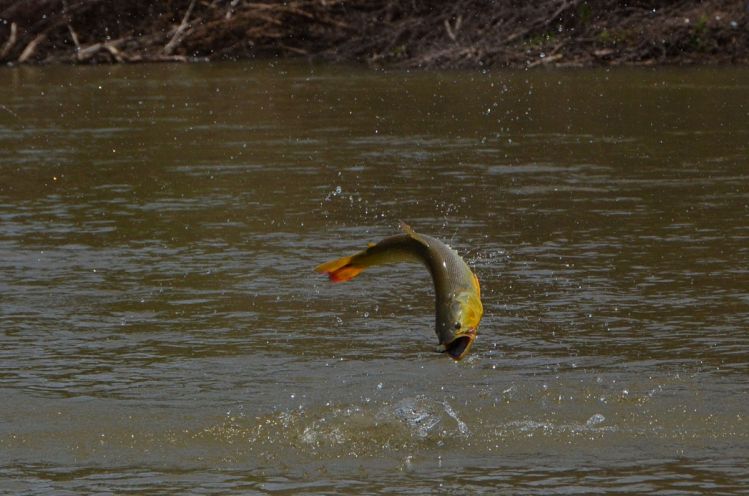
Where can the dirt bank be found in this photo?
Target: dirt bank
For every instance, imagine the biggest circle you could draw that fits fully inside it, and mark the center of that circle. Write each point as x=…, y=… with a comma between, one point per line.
x=417, y=33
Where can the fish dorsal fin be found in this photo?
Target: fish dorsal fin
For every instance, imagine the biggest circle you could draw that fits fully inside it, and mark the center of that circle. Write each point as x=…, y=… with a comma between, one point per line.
x=413, y=234
x=407, y=229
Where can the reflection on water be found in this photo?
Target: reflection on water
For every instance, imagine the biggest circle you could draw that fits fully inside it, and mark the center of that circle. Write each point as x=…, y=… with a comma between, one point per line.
x=163, y=330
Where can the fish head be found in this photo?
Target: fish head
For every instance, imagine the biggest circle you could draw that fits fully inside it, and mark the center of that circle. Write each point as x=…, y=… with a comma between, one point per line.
x=458, y=326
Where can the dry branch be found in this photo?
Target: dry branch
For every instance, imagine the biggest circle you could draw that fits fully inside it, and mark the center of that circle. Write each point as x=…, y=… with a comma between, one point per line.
x=383, y=32
x=180, y=32
x=10, y=42
x=28, y=52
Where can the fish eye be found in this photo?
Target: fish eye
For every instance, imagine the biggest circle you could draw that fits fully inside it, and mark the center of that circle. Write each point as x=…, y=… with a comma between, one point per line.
x=457, y=325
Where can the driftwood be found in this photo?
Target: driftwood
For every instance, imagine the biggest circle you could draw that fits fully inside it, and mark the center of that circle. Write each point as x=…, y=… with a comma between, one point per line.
x=414, y=33
x=28, y=52
x=180, y=32
x=10, y=41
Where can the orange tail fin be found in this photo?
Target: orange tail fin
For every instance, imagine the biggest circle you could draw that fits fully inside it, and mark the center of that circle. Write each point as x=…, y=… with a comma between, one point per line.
x=340, y=270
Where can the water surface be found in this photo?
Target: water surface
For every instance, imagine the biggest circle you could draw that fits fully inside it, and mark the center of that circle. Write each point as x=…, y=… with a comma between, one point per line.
x=162, y=330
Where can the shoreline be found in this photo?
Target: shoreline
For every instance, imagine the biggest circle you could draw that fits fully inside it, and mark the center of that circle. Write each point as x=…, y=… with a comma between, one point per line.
x=377, y=33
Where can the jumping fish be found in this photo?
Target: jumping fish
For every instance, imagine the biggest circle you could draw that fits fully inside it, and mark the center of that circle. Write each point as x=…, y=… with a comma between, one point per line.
x=458, y=295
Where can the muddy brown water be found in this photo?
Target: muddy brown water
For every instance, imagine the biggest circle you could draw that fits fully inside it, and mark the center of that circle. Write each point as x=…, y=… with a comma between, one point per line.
x=162, y=330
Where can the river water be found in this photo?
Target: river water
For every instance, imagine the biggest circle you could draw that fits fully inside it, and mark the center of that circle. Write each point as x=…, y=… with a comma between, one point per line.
x=162, y=330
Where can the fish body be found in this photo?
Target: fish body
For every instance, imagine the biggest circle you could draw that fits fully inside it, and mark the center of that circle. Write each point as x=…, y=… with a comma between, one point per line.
x=458, y=308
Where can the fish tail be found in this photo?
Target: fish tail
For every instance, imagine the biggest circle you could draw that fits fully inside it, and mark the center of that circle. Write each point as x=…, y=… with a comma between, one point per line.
x=340, y=270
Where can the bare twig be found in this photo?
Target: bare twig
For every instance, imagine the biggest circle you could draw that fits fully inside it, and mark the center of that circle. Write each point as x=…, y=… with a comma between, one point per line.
x=452, y=30
x=86, y=53
x=74, y=37
x=68, y=20
x=292, y=49
x=118, y=56
x=180, y=32
x=28, y=52
x=110, y=47
x=542, y=22
x=546, y=60
x=407, y=34
x=10, y=42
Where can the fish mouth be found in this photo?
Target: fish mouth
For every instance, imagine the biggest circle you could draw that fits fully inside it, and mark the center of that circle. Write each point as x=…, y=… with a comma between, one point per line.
x=458, y=347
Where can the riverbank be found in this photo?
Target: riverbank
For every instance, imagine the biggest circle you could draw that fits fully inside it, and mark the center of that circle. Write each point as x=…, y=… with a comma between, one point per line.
x=463, y=33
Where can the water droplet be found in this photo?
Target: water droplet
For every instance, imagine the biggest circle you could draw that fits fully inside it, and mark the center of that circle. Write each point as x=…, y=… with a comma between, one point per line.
x=595, y=420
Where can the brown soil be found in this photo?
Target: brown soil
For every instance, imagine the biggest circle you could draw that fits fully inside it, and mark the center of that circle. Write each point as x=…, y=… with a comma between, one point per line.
x=408, y=33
